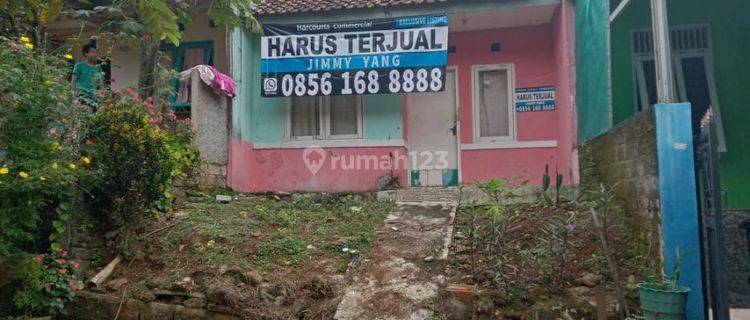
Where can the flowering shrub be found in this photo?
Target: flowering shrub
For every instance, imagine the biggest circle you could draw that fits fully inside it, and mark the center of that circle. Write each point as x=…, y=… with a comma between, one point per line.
x=39, y=131
x=47, y=284
x=60, y=281
x=54, y=154
x=40, y=172
x=138, y=153
x=29, y=196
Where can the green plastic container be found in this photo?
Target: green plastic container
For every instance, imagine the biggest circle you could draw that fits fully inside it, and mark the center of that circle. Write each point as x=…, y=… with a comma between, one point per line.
x=660, y=303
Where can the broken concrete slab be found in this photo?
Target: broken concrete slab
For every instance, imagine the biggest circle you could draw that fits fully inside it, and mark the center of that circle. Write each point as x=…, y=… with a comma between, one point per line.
x=397, y=282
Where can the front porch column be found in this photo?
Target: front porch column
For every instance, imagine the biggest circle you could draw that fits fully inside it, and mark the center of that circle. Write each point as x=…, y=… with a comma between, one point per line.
x=210, y=117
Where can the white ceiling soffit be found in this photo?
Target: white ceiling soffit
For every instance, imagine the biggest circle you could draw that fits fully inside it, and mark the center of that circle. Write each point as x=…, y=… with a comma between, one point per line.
x=502, y=18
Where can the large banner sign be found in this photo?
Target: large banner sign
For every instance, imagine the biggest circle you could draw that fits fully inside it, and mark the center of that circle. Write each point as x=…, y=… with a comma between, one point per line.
x=355, y=57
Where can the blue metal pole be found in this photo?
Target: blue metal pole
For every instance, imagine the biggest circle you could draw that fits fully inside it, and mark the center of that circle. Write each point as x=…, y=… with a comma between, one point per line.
x=679, y=203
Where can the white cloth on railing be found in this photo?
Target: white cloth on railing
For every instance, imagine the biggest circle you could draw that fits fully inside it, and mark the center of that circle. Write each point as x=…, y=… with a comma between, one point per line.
x=206, y=75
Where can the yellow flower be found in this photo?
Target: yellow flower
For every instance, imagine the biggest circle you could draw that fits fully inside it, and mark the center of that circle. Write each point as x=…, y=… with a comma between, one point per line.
x=4, y=170
x=55, y=166
x=156, y=133
x=42, y=179
x=72, y=166
x=56, y=146
x=86, y=160
x=23, y=175
x=210, y=243
x=25, y=39
x=28, y=46
x=68, y=56
x=48, y=82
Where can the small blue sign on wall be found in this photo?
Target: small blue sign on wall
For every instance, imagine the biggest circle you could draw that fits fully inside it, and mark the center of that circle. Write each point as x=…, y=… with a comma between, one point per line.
x=535, y=99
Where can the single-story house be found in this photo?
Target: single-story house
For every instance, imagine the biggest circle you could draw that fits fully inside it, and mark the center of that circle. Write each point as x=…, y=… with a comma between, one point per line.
x=500, y=54
x=474, y=127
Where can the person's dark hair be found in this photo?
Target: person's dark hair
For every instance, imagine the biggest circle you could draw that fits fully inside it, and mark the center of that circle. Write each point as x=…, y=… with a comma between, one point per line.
x=87, y=47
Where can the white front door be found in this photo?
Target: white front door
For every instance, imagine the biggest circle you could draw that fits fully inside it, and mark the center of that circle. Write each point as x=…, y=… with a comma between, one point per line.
x=432, y=136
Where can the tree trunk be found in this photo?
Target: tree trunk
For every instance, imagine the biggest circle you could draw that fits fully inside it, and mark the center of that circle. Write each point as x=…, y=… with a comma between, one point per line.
x=149, y=53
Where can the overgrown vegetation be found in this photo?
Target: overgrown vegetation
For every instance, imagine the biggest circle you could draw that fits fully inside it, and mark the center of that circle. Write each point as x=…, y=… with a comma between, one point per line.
x=139, y=153
x=531, y=257
x=154, y=22
x=59, y=163
x=41, y=169
x=147, y=22
x=295, y=244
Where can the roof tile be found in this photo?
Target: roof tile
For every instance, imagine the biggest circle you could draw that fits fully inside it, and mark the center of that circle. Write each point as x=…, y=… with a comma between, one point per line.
x=298, y=6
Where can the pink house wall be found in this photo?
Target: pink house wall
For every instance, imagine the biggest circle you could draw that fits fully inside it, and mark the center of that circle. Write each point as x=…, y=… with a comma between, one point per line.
x=566, y=78
x=260, y=170
x=534, y=52
x=530, y=50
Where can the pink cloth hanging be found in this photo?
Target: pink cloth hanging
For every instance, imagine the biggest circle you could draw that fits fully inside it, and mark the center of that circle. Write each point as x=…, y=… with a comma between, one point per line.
x=223, y=83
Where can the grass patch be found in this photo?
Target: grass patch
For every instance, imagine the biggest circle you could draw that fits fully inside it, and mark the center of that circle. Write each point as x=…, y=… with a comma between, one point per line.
x=265, y=232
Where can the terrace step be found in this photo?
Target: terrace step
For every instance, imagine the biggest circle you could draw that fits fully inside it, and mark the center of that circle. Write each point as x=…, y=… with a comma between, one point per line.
x=427, y=195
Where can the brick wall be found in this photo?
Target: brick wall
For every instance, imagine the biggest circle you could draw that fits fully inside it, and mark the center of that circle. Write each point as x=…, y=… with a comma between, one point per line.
x=625, y=159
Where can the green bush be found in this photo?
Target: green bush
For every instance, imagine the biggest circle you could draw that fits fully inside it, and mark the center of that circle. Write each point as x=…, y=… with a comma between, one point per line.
x=58, y=158
x=40, y=173
x=39, y=129
x=137, y=153
x=46, y=284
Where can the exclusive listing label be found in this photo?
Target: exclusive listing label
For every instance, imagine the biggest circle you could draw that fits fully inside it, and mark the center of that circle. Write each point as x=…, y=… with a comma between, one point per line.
x=356, y=57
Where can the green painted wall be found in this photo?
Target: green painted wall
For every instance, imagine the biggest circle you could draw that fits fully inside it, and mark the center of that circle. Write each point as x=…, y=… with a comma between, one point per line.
x=262, y=120
x=731, y=44
x=383, y=119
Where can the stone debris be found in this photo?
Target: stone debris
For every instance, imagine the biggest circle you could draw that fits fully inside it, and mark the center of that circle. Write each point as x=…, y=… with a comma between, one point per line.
x=184, y=284
x=220, y=198
x=590, y=280
x=116, y=284
x=157, y=283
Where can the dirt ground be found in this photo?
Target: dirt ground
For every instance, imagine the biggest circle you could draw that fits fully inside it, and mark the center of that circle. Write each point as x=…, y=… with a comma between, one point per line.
x=284, y=257
x=539, y=261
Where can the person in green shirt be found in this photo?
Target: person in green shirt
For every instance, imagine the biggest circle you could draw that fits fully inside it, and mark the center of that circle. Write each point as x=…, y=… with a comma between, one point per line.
x=88, y=76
